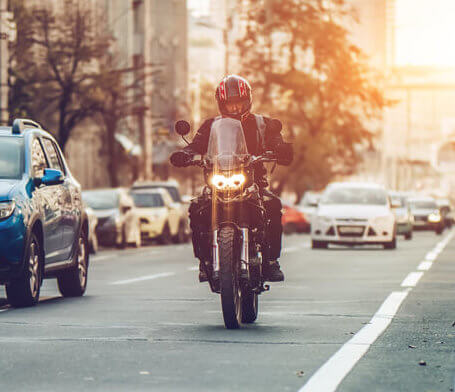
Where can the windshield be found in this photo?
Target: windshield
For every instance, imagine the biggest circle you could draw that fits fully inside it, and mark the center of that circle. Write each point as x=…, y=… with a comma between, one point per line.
x=424, y=204
x=310, y=200
x=355, y=195
x=102, y=200
x=227, y=146
x=11, y=158
x=147, y=200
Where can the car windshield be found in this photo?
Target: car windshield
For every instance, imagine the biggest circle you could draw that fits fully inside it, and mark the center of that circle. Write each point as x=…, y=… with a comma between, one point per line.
x=424, y=204
x=227, y=146
x=355, y=195
x=147, y=200
x=11, y=158
x=102, y=200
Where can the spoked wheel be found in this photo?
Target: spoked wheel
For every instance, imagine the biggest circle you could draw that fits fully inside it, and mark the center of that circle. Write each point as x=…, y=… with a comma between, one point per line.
x=231, y=293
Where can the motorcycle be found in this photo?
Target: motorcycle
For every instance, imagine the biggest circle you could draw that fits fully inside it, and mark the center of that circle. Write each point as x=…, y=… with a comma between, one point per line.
x=237, y=218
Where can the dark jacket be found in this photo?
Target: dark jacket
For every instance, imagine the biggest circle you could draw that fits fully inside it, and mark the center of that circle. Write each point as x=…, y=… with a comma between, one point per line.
x=200, y=142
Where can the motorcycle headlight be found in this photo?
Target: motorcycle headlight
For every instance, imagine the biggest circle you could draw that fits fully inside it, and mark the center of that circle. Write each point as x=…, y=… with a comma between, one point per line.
x=222, y=182
x=7, y=209
x=434, y=217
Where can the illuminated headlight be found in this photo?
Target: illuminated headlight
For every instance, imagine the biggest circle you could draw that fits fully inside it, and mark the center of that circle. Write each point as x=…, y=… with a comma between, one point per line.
x=434, y=217
x=7, y=209
x=222, y=182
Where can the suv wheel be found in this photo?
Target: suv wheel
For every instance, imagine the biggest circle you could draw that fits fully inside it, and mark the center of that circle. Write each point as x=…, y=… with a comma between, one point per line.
x=165, y=238
x=73, y=281
x=180, y=238
x=25, y=290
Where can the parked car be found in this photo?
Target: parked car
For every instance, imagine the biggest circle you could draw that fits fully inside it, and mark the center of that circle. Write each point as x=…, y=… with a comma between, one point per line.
x=293, y=220
x=403, y=214
x=43, y=225
x=446, y=211
x=354, y=214
x=426, y=214
x=92, y=223
x=308, y=205
x=118, y=222
x=159, y=216
x=178, y=204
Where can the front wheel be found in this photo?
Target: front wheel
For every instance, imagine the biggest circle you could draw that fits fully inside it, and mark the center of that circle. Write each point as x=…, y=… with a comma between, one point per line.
x=25, y=290
x=231, y=293
x=319, y=244
x=408, y=235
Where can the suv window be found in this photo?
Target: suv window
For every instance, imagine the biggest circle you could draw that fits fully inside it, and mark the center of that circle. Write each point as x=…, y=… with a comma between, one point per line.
x=39, y=162
x=11, y=158
x=53, y=155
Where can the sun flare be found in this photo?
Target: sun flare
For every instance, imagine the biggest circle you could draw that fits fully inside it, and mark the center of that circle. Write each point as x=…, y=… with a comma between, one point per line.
x=424, y=33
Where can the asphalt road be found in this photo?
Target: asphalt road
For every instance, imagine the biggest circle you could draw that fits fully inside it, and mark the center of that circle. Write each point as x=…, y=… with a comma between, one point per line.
x=352, y=319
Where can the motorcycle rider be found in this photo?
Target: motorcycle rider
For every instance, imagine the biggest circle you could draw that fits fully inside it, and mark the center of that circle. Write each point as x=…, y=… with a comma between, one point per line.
x=234, y=100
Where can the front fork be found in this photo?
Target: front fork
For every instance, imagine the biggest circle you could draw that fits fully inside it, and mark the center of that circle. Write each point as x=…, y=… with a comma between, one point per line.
x=244, y=252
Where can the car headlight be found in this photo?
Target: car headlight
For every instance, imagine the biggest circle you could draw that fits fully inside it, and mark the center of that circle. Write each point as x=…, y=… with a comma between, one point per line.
x=324, y=219
x=7, y=209
x=222, y=182
x=380, y=220
x=434, y=217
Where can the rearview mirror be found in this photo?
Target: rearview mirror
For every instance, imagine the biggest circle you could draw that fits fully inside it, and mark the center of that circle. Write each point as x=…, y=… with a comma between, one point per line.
x=182, y=127
x=51, y=177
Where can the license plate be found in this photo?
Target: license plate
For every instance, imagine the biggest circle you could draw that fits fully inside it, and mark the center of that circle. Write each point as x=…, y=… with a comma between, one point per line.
x=350, y=229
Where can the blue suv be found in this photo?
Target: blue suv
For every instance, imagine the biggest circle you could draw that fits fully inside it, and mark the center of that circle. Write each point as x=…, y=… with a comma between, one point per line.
x=43, y=225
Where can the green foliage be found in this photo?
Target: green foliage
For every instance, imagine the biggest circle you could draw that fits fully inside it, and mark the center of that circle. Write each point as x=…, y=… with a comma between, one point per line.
x=305, y=71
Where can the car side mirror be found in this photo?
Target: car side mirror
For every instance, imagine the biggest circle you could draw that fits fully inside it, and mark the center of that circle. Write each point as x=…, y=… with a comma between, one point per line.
x=51, y=177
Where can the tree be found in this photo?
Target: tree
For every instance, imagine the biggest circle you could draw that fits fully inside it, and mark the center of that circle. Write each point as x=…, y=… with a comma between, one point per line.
x=305, y=71
x=55, y=65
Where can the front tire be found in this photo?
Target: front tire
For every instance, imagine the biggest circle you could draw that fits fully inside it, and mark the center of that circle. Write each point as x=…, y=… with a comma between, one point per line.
x=73, y=281
x=165, y=238
x=231, y=293
x=25, y=290
x=408, y=236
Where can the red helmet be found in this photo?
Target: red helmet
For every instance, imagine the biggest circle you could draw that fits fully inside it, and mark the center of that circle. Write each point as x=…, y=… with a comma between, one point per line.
x=233, y=90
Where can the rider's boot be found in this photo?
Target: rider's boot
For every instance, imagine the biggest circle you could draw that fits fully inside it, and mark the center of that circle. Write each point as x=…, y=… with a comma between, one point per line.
x=272, y=272
x=202, y=273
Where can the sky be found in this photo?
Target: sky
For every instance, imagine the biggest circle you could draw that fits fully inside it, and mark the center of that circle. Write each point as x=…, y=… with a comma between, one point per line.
x=199, y=7
x=425, y=31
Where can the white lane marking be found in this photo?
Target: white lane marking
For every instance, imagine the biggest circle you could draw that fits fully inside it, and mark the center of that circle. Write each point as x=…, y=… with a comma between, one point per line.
x=425, y=265
x=431, y=256
x=412, y=279
x=4, y=310
x=142, y=278
x=330, y=375
x=195, y=268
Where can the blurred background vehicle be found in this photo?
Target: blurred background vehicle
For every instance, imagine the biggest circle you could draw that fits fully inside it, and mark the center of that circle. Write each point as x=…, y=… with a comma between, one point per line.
x=172, y=187
x=354, y=214
x=159, y=216
x=426, y=214
x=445, y=209
x=293, y=220
x=118, y=223
x=92, y=223
x=403, y=214
x=308, y=205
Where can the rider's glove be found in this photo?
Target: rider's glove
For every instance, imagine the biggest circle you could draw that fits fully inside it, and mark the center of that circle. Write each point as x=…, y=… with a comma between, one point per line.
x=284, y=153
x=180, y=159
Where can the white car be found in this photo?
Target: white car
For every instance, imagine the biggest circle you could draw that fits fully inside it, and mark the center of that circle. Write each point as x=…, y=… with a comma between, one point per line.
x=354, y=214
x=159, y=215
